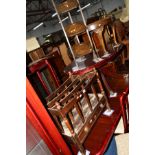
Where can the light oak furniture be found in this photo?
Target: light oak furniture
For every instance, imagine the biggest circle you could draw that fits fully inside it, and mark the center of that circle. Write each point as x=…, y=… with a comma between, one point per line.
x=64, y=53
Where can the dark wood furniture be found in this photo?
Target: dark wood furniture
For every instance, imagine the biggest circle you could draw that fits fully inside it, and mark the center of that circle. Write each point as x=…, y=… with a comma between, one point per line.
x=76, y=106
x=102, y=131
x=102, y=34
x=121, y=36
x=47, y=73
x=54, y=57
x=90, y=64
x=56, y=61
x=49, y=82
x=97, y=30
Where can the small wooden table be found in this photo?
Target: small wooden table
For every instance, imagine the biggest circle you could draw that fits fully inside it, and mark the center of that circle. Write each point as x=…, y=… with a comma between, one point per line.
x=90, y=64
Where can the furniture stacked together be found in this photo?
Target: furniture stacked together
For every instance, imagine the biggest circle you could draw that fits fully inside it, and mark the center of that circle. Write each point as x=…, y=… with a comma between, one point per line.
x=76, y=106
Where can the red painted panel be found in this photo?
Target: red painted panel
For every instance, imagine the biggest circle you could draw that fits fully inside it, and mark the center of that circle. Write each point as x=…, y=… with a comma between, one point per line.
x=43, y=123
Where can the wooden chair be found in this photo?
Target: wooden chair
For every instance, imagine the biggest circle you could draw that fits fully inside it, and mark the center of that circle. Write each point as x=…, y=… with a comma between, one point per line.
x=98, y=30
x=117, y=82
x=76, y=105
x=99, y=40
x=121, y=37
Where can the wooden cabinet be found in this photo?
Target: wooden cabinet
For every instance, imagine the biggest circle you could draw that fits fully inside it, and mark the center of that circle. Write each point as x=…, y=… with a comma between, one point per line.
x=43, y=77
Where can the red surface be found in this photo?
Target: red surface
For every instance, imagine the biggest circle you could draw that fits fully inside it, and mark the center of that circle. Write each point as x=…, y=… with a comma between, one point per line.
x=124, y=102
x=98, y=140
x=103, y=130
x=40, y=119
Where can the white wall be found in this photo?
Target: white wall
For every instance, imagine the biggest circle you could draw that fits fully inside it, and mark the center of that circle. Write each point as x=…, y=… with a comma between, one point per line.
x=108, y=5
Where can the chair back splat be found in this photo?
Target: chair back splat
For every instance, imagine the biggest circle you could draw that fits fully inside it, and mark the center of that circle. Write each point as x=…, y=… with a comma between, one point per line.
x=76, y=105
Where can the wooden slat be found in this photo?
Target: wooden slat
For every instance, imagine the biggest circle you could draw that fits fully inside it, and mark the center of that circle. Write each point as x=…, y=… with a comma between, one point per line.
x=79, y=112
x=94, y=92
x=57, y=98
x=71, y=94
x=57, y=91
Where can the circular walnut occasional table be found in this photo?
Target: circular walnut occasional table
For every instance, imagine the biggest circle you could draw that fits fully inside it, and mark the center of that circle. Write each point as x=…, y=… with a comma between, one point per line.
x=87, y=64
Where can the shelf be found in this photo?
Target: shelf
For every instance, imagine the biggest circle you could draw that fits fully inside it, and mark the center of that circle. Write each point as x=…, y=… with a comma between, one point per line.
x=74, y=29
x=67, y=6
x=81, y=49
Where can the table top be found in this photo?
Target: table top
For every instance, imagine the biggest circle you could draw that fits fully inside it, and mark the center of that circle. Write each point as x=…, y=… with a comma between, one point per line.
x=98, y=139
x=89, y=64
x=103, y=130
